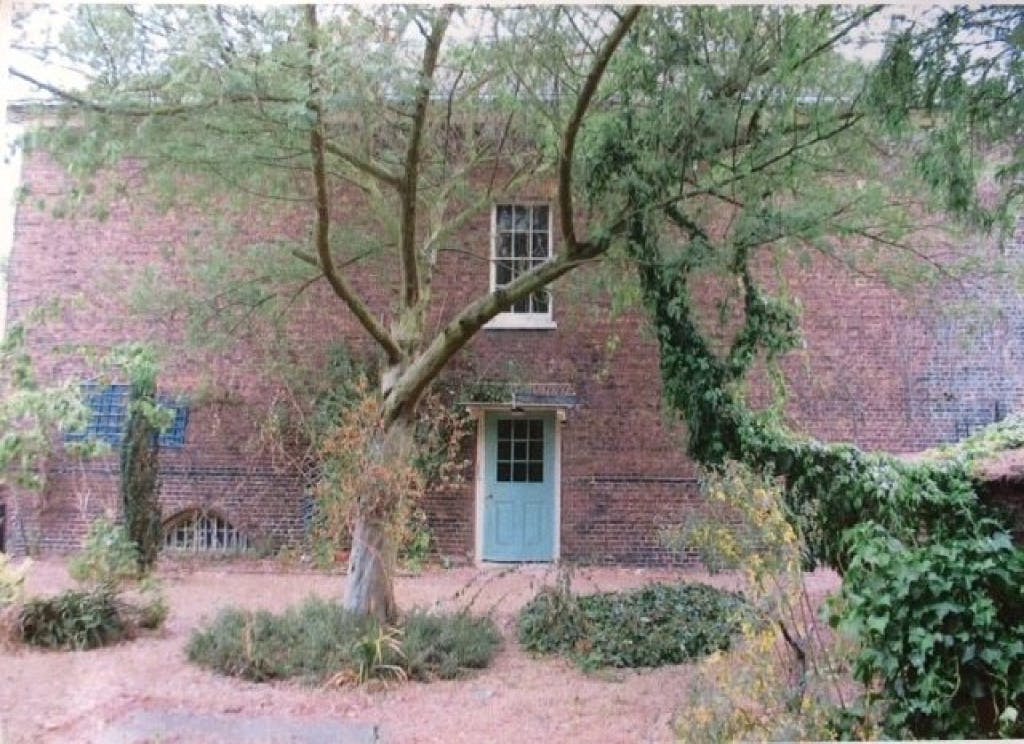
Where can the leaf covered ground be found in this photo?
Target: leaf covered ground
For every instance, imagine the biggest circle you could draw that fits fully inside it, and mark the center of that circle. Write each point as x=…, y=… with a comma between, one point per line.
x=78, y=696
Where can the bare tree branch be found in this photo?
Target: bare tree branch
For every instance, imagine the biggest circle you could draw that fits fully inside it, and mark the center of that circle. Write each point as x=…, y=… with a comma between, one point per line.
x=407, y=248
x=174, y=110
x=586, y=95
x=323, y=218
x=414, y=379
x=370, y=169
x=461, y=329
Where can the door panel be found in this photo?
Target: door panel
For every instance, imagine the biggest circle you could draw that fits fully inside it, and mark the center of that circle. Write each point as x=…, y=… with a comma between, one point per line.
x=519, y=488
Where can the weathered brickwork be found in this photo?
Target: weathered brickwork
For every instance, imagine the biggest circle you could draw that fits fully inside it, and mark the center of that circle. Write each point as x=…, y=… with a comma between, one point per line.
x=879, y=369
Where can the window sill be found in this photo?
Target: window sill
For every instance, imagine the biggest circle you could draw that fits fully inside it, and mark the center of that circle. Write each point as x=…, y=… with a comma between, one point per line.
x=520, y=322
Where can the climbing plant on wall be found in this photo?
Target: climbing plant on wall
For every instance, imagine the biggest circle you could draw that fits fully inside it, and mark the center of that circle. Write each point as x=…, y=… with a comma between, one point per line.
x=32, y=417
x=140, y=451
x=931, y=587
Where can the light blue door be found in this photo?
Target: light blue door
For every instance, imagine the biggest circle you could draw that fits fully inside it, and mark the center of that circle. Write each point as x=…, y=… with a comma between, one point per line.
x=519, y=496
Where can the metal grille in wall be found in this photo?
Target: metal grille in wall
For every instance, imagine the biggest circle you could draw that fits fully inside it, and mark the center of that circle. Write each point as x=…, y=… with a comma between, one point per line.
x=202, y=532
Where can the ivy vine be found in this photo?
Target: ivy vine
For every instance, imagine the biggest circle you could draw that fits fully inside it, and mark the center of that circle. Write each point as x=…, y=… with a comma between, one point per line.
x=932, y=589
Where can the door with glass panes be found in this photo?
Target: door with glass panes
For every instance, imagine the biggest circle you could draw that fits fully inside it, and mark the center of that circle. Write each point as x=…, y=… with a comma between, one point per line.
x=519, y=488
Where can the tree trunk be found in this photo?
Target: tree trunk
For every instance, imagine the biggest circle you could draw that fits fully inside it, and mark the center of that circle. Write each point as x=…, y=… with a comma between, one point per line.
x=371, y=565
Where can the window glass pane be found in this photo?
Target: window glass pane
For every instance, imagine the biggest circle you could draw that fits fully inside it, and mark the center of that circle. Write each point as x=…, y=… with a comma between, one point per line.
x=174, y=436
x=536, y=429
x=521, y=429
x=505, y=429
x=519, y=453
x=536, y=472
x=540, y=245
x=504, y=217
x=536, y=449
x=108, y=405
x=522, y=221
x=502, y=273
x=539, y=301
x=504, y=450
x=504, y=245
x=522, y=245
x=519, y=472
x=201, y=532
x=540, y=218
x=504, y=471
x=521, y=306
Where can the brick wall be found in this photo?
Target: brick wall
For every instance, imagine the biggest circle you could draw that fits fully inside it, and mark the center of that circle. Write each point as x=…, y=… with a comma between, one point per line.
x=880, y=369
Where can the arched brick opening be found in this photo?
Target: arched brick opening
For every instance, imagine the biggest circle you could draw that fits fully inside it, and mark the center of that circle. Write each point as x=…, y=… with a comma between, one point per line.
x=203, y=531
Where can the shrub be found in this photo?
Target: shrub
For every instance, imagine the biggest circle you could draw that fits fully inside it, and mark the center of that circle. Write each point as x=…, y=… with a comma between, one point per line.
x=444, y=646
x=305, y=641
x=72, y=620
x=941, y=632
x=319, y=641
x=417, y=542
x=653, y=626
x=779, y=681
x=553, y=621
x=108, y=557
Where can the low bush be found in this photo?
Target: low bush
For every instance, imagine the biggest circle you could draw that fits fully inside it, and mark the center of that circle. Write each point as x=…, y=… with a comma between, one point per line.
x=12, y=591
x=783, y=677
x=653, y=626
x=72, y=620
x=308, y=641
x=319, y=641
x=108, y=556
x=443, y=646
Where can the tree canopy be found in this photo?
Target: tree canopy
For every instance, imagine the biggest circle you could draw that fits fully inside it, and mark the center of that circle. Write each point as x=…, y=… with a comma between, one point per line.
x=678, y=139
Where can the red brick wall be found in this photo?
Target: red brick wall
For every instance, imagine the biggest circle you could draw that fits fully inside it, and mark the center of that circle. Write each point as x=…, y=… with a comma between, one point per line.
x=878, y=370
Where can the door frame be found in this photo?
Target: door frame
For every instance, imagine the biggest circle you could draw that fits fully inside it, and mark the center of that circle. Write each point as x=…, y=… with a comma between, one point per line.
x=480, y=474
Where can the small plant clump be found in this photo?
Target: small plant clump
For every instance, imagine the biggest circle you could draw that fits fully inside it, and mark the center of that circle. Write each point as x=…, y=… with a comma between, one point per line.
x=444, y=646
x=109, y=556
x=73, y=620
x=12, y=591
x=780, y=681
x=654, y=626
x=110, y=605
x=12, y=581
x=320, y=642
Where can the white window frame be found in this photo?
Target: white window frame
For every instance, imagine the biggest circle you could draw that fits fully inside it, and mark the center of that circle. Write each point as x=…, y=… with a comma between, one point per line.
x=510, y=319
